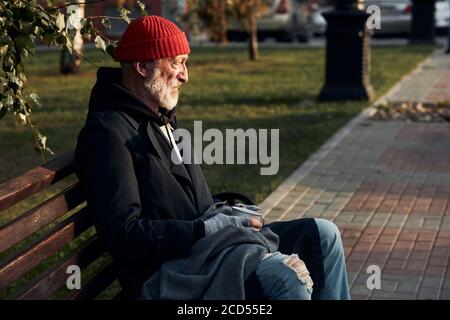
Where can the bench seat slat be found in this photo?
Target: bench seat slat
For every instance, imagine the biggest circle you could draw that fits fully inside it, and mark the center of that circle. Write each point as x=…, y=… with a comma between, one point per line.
x=12, y=268
x=35, y=219
x=46, y=284
x=35, y=180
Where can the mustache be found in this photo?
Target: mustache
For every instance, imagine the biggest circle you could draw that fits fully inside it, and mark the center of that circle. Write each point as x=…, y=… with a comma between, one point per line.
x=177, y=84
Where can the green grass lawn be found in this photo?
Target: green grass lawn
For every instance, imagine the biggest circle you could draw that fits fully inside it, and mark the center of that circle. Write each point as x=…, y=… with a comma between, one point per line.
x=225, y=90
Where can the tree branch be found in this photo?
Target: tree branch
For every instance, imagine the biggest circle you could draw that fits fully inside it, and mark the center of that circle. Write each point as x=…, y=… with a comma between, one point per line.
x=77, y=3
x=87, y=60
x=35, y=135
x=38, y=6
x=101, y=17
x=103, y=36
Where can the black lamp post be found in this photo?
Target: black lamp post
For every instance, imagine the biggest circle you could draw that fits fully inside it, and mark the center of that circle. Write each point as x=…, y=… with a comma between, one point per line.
x=347, y=75
x=422, y=25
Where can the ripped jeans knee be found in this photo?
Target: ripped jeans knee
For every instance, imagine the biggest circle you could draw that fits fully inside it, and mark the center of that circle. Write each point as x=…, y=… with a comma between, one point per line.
x=284, y=277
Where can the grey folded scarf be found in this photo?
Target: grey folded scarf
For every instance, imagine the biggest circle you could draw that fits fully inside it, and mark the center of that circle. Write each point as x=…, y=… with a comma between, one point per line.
x=216, y=269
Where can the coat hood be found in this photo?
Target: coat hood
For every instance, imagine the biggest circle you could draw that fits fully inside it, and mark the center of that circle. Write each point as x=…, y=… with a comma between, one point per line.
x=109, y=94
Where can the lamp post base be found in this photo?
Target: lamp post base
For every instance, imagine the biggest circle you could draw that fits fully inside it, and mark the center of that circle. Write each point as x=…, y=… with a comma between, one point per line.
x=335, y=93
x=347, y=75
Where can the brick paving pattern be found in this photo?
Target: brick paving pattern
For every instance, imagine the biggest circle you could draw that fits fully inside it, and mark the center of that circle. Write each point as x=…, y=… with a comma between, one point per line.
x=386, y=184
x=430, y=83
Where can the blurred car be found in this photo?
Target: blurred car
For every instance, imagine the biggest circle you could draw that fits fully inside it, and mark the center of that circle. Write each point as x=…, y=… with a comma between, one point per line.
x=396, y=16
x=442, y=15
x=319, y=22
x=285, y=20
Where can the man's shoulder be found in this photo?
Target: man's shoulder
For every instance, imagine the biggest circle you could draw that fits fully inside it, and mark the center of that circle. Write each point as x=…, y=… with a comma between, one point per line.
x=103, y=126
x=109, y=120
x=105, y=118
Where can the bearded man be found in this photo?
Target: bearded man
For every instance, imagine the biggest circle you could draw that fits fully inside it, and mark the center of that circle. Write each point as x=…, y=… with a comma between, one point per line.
x=149, y=211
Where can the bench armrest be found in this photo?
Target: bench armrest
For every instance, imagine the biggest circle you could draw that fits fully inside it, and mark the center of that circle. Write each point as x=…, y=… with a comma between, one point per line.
x=232, y=197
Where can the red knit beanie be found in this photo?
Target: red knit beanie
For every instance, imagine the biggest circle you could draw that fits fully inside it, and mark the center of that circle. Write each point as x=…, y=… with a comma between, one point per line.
x=151, y=38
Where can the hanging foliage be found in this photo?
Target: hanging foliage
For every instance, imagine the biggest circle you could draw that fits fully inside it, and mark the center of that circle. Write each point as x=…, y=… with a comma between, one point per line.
x=23, y=23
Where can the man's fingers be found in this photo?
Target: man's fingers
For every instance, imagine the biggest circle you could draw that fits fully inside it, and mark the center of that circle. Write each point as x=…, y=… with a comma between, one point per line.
x=256, y=223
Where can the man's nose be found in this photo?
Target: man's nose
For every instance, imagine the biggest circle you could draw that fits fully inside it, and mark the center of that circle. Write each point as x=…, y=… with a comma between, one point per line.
x=183, y=75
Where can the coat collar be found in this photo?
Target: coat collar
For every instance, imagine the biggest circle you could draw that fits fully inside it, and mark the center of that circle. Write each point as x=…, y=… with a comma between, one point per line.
x=132, y=119
x=176, y=169
x=151, y=128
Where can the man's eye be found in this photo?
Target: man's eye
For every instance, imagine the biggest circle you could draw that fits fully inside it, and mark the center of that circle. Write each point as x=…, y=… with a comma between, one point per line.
x=178, y=64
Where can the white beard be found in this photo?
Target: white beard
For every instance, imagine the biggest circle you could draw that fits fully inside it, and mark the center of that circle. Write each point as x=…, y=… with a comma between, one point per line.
x=165, y=94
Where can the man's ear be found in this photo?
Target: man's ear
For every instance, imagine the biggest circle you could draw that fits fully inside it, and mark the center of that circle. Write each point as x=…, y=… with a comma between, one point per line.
x=141, y=68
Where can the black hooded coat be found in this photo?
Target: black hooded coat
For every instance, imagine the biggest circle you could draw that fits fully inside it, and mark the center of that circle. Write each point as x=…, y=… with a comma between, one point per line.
x=143, y=204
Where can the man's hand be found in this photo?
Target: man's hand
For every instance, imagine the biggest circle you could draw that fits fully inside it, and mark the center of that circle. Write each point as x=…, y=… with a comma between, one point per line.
x=256, y=223
x=220, y=221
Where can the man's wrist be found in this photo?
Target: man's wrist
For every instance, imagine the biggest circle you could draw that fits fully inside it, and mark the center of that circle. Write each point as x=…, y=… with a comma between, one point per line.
x=198, y=231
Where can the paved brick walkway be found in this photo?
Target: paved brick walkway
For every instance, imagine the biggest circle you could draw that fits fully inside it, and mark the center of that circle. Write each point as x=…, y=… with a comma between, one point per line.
x=430, y=83
x=386, y=184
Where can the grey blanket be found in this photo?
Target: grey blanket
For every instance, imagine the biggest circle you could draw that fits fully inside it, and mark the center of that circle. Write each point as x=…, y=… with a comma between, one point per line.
x=216, y=269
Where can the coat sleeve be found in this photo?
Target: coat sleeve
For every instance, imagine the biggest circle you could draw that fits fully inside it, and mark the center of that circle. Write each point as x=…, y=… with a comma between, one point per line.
x=105, y=169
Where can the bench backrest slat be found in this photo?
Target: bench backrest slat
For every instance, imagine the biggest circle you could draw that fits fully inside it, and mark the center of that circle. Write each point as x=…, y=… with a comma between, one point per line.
x=15, y=190
x=53, y=278
x=40, y=216
x=45, y=284
x=42, y=248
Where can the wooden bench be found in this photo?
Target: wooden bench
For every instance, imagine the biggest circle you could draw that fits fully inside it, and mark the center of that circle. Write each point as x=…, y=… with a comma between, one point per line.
x=46, y=230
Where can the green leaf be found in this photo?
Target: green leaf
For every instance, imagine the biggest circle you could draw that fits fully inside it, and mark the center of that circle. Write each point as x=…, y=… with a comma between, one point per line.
x=100, y=43
x=106, y=22
x=27, y=27
x=3, y=50
x=37, y=31
x=8, y=63
x=8, y=100
x=22, y=76
x=24, y=53
x=60, y=23
x=41, y=144
x=48, y=38
x=61, y=39
x=43, y=19
x=24, y=42
x=3, y=110
x=21, y=118
x=124, y=14
x=3, y=83
x=5, y=39
x=42, y=140
x=35, y=98
x=72, y=34
x=87, y=29
x=142, y=8
x=14, y=79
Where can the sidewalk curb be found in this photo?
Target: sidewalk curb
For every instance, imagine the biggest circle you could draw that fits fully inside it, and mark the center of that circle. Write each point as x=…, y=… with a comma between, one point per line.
x=291, y=182
x=416, y=70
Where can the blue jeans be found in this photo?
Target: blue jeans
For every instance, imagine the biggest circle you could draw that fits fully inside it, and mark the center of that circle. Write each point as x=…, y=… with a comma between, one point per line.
x=280, y=281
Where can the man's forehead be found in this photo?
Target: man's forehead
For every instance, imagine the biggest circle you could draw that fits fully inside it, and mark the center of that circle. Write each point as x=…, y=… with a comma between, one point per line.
x=169, y=59
x=181, y=56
